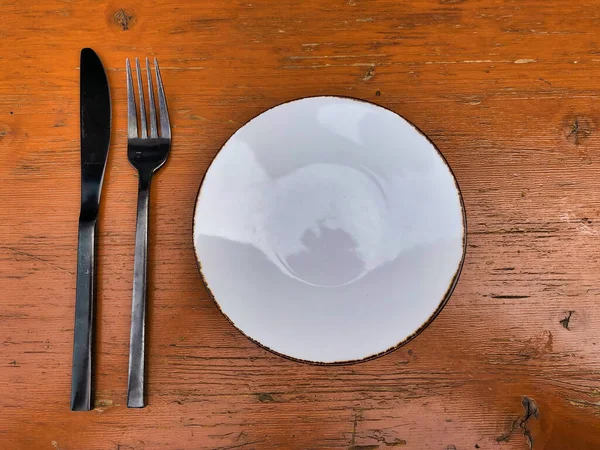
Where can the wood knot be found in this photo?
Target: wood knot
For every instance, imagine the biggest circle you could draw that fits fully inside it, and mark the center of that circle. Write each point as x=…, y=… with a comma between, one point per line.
x=566, y=321
x=369, y=74
x=579, y=130
x=265, y=398
x=6, y=133
x=124, y=19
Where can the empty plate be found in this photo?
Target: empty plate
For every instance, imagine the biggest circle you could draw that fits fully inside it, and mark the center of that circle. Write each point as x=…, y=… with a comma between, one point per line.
x=329, y=230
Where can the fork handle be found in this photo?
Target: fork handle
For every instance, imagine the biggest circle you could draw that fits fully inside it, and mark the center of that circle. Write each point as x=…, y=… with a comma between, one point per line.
x=135, y=386
x=81, y=377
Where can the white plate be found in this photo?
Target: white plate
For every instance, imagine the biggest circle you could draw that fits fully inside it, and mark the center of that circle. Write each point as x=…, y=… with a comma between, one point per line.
x=329, y=230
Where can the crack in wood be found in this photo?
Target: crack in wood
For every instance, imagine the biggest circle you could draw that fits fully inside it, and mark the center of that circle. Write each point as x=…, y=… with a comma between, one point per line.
x=531, y=410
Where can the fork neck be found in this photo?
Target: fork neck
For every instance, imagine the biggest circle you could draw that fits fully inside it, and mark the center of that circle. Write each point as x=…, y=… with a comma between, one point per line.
x=145, y=177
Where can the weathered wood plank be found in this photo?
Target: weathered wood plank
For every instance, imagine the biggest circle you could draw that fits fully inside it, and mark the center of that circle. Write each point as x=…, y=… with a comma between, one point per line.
x=508, y=92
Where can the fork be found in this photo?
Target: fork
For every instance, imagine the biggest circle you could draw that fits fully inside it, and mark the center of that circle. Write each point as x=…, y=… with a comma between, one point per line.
x=147, y=154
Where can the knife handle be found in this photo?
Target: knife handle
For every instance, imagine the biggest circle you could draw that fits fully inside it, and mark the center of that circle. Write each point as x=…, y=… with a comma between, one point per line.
x=135, y=385
x=81, y=378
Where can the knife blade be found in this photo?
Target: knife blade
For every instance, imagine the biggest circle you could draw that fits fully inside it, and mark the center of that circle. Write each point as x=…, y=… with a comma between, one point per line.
x=95, y=122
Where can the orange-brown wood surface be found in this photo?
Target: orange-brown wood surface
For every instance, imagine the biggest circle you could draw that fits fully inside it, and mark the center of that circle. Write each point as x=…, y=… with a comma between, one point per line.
x=509, y=92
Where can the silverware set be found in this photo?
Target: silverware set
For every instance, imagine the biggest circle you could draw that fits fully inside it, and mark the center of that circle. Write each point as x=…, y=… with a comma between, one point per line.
x=148, y=148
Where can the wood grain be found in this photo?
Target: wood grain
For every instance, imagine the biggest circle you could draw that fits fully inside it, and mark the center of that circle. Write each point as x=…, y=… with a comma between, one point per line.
x=507, y=90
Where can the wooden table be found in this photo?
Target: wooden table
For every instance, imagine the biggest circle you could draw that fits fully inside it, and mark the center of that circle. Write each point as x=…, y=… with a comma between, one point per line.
x=507, y=90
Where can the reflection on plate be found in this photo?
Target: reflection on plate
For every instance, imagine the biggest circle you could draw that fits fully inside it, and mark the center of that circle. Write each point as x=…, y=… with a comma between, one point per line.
x=329, y=230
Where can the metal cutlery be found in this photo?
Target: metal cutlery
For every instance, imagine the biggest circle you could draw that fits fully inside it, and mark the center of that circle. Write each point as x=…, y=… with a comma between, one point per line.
x=147, y=151
x=95, y=121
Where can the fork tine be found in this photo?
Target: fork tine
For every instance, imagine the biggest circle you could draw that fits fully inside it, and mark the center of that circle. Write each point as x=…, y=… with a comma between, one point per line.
x=144, y=133
x=165, y=126
x=132, y=130
x=152, y=107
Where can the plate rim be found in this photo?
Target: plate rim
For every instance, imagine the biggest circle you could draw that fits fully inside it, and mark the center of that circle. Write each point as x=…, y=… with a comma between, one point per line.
x=443, y=302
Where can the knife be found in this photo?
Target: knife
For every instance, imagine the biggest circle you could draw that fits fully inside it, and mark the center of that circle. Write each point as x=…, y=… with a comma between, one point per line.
x=95, y=118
